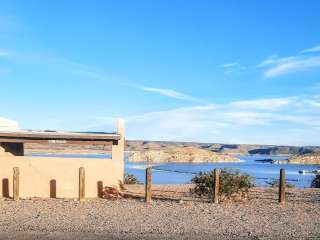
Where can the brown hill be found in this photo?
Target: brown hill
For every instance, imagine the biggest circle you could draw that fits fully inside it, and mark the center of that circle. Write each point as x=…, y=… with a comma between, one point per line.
x=309, y=158
x=180, y=154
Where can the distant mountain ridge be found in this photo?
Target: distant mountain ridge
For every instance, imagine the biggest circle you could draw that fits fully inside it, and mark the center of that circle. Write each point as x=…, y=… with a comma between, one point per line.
x=136, y=145
x=139, y=145
x=179, y=154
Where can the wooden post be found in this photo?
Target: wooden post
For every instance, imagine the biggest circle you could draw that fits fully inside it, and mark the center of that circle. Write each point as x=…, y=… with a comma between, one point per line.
x=16, y=183
x=53, y=188
x=81, y=184
x=148, y=185
x=282, y=186
x=100, y=189
x=216, y=185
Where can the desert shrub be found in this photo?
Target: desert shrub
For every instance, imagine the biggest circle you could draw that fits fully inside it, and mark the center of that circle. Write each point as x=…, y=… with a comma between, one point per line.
x=111, y=193
x=316, y=182
x=275, y=184
x=232, y=183
x=130, y=179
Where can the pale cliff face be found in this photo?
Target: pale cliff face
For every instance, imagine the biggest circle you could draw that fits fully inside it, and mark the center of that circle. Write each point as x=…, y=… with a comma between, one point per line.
x=8, y=125
x=180, y=154
x=309, y=158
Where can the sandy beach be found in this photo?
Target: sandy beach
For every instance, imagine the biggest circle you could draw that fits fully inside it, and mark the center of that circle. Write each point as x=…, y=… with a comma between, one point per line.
x=167, y=217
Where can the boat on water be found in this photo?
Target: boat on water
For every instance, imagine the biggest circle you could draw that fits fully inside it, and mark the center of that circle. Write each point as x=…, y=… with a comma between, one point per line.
x=303, y=172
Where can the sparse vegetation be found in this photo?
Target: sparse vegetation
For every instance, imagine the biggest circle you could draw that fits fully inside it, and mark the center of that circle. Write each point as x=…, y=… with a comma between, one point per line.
x=275, y=184
x=316, y=182
x=111, y=193
x=232, y=184
x=130, y=179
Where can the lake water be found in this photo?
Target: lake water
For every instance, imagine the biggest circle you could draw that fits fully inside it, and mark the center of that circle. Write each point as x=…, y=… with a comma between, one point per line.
x=262, y=172
x=179, y=173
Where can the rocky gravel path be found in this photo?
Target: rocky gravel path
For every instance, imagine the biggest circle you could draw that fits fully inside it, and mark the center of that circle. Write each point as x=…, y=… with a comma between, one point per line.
x=259, y=218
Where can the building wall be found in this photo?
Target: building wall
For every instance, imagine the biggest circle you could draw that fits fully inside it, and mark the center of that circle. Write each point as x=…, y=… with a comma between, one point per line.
x=36, y=174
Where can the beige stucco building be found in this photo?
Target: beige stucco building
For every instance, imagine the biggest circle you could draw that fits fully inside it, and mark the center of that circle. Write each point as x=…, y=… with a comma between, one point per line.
x=59, y=177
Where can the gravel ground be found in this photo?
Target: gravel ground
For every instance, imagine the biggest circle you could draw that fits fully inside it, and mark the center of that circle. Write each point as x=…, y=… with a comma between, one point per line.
x=261, y=217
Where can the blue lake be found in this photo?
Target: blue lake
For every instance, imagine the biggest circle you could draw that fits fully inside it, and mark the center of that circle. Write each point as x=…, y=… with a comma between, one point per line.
x=184, y=172
x=262, y=172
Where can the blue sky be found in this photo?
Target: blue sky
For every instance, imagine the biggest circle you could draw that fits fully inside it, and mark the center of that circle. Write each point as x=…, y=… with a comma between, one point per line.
x=209, y=71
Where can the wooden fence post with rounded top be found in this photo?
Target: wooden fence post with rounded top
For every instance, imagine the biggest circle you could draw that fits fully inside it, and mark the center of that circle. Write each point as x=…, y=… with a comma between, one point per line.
x=282, y=186
x=148, y=190
x=16, y=174
x=81, y=184
x=216, y=185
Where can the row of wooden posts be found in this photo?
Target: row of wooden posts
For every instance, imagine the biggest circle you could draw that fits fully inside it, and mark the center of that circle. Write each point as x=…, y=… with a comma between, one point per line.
x=148, y=185
x=216, y=185
x=16, y=181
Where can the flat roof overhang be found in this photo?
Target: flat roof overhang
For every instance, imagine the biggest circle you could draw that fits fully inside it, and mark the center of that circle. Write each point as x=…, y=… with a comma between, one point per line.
x=58, y=137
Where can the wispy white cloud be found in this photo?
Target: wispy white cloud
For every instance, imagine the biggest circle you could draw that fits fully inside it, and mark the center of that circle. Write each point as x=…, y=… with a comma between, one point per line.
x=311, y=50
x=272, y=103
x=268, y=61
x=285, y=66
x=314, y=102
x=233, y=67
x=267, y=121
x=169, y=93
x=86, y=72
x=229, y=65
x=275, y=66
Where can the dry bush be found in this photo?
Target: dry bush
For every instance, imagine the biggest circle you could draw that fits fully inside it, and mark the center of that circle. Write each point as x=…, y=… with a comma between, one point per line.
x=130, y=179
x=233, y=184
x=111, y=193
x=316, y=182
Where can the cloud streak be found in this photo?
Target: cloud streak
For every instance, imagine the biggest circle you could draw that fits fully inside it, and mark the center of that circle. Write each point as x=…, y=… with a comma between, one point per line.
x=87, y=72
x=233, y=67
x=229, y=65
x=290, y=65
x=311, y=50
x=266, y=121
x=275, y=66
x=169, y=93
x=265, y=104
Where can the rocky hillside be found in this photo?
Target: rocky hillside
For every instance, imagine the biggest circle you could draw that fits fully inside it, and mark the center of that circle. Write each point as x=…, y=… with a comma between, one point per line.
x=190, y=151
x=132, y=145
x=179, y=154
x=308, y=158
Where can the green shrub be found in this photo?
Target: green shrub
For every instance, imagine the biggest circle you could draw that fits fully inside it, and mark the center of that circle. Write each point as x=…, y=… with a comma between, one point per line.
x=275, y=184
x=316, y=182
x=232, y=183
x=130, y=179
